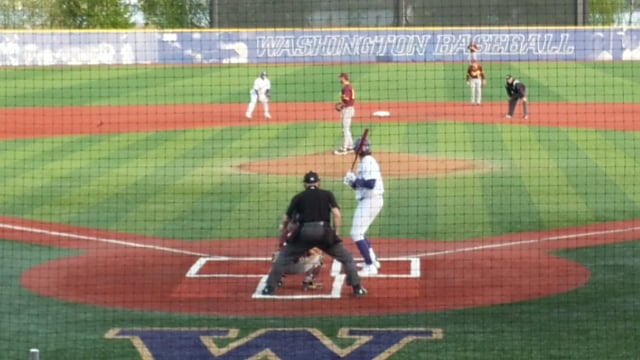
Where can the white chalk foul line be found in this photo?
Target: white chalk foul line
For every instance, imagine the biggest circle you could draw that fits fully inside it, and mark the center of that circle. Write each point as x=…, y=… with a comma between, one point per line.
x=527, y=242
x=104, y=240
x=428, y=254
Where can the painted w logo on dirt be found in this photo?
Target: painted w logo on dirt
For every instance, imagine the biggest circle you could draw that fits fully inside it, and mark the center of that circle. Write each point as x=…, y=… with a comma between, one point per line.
x=169, y=344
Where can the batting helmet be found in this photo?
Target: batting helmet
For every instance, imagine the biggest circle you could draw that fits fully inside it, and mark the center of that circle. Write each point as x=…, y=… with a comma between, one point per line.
x=366, y=148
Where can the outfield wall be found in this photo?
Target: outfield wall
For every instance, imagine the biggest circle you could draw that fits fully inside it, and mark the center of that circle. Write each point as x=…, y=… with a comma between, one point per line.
x=315, y=46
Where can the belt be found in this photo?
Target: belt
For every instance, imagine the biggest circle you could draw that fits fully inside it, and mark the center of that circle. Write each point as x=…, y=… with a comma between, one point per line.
x=314, y=223
x=373, y=196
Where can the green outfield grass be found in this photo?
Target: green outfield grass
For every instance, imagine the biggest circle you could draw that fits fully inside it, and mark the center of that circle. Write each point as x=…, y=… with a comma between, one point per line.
x=183, y=184
x=561, y=81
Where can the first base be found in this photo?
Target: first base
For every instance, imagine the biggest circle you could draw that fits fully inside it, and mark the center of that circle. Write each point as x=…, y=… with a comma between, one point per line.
x=381, y=113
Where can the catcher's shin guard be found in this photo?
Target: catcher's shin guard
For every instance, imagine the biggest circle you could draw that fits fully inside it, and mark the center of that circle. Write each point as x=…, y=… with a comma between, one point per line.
x=313, y=265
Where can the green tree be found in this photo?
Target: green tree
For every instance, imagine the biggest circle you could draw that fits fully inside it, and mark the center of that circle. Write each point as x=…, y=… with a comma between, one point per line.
x=90, y=14
x=604, y=12
x=24, y=14
x=176, y=14
x=69, y=14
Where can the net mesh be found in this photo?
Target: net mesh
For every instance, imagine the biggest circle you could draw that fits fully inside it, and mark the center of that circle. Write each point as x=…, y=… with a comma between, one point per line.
x=146, y=172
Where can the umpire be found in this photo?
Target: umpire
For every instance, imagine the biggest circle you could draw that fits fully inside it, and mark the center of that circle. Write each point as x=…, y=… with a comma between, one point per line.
x=313, y=208
x=516, y=91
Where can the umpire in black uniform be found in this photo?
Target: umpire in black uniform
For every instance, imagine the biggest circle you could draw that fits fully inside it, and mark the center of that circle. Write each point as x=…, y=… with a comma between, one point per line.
x=313, y=208
x=516, y=91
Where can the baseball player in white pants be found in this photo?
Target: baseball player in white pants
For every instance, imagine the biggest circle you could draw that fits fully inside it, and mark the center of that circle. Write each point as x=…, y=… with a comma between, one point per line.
x=348, y=99
x=476, y=81
x=369, y=189
x=261, y=91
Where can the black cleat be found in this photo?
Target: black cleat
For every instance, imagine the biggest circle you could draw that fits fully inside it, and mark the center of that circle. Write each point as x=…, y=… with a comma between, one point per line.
x=359, y=291
x=311, y=285
x=267, y=291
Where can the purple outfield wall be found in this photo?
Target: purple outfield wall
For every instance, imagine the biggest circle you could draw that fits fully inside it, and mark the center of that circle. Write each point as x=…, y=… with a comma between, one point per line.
x=26, y=48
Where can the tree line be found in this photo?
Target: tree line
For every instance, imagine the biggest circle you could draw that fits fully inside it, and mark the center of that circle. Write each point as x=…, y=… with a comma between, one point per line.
x=193, y=14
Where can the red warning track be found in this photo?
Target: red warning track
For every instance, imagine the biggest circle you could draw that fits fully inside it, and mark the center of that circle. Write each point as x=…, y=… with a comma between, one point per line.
x=136, y=272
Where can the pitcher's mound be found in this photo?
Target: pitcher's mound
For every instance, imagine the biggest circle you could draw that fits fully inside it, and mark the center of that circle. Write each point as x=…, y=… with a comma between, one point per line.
x=397, y=165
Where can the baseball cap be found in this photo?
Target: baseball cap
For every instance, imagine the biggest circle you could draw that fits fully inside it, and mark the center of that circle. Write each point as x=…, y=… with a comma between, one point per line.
x=311, y=177
x=344, y=75
x=509, y=77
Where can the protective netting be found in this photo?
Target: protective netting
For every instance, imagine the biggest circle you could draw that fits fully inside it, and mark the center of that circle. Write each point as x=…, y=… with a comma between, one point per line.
x=146, y=172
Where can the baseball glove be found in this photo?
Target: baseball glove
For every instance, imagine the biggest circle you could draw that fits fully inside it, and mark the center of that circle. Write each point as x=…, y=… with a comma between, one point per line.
x=339, y=106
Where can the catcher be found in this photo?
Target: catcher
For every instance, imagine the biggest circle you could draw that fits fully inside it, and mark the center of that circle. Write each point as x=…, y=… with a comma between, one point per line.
x=309, y=264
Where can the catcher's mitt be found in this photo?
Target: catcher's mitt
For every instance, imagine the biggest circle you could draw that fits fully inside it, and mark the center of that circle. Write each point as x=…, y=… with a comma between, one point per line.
x=339, y=106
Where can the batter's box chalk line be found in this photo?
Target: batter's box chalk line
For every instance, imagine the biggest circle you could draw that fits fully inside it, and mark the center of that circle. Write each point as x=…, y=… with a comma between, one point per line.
x=336, y=273
x=335, y=293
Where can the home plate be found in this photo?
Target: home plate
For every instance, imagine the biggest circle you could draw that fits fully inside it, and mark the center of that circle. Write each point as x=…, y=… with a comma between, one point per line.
x=381, y=113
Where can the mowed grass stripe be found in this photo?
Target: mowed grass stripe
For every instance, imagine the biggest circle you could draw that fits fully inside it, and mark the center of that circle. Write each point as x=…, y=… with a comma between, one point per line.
x=574, y=151
x=617, y=170
x=236, y=186
x=244, y=199
x=132, y=85
x=462, y=211
x=233, y=196
x=494, y=187
x=102, y=197
x=410, y=204
x=44, y=175
x=556, y=201
x=505, y=192
x=628, y=142
x=81, y=164
x=74, y=86
x=18, y=156
x=157, y=195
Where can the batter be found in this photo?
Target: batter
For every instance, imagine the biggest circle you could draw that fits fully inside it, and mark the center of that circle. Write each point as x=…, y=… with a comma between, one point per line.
x=369, y=189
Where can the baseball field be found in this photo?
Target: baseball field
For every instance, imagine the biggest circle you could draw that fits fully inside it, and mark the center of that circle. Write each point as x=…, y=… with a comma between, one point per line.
x=139, y=211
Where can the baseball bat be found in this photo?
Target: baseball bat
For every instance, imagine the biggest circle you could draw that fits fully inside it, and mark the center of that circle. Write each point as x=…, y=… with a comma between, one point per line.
x=359, y=148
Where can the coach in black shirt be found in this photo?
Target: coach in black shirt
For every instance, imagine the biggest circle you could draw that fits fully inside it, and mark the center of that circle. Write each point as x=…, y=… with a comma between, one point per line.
x=312, y=209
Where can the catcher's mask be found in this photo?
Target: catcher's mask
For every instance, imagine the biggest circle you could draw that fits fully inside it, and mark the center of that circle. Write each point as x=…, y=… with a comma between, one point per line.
x=366, y=148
